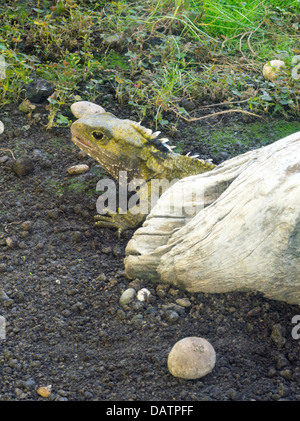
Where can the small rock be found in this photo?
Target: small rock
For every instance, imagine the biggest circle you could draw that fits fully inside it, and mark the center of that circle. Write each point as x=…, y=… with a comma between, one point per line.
x=29, y=384
x=183, y=302
x=106, y=250
x=1, y=127
x=254, y=312
x=53, y=214
x=143, y=294
x=77, y=307
x=272, y=69
x=3, y=267
x=114, y=40
x=121, y=314
x=77, y=236
x=232, y=394
x=39, y=89
x=78, y=169
x=85, y=108
x=127, y=296
x=19, y=393
x=44, y=391
x=282, y=362
x=187, y=104
x=26, y=106
x=272, y=372
x=173, y=292
x=3, y=296
x=137, y=306
x=286, y=374
x=137, y=318
x=81, y=155
x=191, y=358
x=10, y=242
x=3, y=159
x=27, y=226
x=172, y=316
x=22, y=166
x=277, y=335
x=161, y=290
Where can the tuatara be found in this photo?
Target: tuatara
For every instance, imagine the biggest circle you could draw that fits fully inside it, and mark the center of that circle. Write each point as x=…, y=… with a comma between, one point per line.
x=123, y=145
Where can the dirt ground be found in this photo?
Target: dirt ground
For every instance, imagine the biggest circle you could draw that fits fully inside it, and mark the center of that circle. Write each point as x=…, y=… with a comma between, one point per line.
x=61, y=279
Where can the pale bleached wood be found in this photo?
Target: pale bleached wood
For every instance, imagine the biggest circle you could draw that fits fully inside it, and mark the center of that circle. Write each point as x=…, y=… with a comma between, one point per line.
x=245, y=236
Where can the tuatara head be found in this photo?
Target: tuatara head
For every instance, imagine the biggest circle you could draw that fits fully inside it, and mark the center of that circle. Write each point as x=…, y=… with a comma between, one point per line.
x=118, y=145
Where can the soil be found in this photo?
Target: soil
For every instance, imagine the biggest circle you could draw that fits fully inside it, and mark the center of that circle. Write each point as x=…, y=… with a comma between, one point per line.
x=61, y=279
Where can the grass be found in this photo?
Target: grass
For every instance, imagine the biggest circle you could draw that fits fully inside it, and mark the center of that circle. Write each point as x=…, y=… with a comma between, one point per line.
x=153, y=53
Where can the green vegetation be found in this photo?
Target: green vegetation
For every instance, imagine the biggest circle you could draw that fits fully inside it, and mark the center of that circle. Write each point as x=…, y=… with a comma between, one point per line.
x=153, y=54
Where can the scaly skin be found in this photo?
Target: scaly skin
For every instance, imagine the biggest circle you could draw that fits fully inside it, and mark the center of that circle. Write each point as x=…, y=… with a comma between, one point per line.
x=122, y=145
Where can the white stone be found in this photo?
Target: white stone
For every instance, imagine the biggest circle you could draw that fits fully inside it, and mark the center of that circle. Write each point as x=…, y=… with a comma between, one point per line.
x=272, y=69
x=245, y=236
x=1, y=127
x=85, y=108
x=191, y=358
x=295, y=73
x=127, y=296
x=78, y=169
x=143, y=294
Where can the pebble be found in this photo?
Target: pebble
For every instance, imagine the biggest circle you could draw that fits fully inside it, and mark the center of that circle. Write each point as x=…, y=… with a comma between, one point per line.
x=277, y=335
x=121, y=314
x=39, y=89
x=78, y=169
x=127, y=296
x=143, y=294
x=3, y=296
x=272, y=69
x=77, y=236
x=84, y=108
x=3, y=267
x=188, y=104
x=44, y=391
x=286, y=374
x=26, y=106
x=22, y=166
x=3, y=159
x=183, y=302
x=11, y=242
x=281, y=362
x=27, y=225
x=191, y=358
x=172, y=316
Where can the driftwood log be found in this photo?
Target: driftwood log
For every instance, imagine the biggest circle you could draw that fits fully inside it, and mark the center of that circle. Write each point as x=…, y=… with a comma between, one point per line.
x=244, y=236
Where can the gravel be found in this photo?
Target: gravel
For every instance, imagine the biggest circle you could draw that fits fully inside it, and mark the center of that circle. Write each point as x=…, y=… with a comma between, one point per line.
x=61, y=280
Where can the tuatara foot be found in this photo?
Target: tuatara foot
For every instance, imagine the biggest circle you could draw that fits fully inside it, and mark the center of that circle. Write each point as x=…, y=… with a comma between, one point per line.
x=121, y=222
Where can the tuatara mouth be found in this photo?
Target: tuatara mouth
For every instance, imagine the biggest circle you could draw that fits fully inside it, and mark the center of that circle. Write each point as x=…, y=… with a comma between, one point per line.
x=79, y=142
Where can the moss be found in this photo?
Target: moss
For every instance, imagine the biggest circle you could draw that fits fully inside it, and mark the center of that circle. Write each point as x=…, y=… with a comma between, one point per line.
x=239, y=137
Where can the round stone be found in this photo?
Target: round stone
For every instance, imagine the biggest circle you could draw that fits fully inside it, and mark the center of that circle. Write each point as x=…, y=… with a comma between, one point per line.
x=143, y=294
x=191, y=358
x=85, y=108
x=127, y=296
x=272, y=69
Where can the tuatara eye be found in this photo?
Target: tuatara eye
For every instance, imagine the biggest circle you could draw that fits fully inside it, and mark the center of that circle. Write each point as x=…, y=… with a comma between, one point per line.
x=98, y=135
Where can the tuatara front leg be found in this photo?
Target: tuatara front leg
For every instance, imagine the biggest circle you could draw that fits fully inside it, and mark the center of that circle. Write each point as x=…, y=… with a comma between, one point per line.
x=121, y=222
x=138, y=209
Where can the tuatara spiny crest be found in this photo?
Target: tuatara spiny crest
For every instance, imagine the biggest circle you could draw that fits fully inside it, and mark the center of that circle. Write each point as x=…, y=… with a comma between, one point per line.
x=123, y=145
